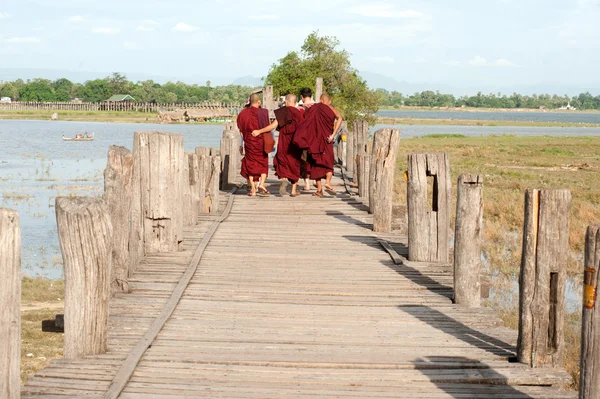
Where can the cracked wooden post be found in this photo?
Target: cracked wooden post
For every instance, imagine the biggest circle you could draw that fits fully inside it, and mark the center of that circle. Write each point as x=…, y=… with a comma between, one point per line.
x=190, y=189
x=382, y=170
x=542, y=277
x=212, y=188
x=157, y=212
x=231, y=160
x=85, y=235
x=364, y=176
x=350, y=154
x=10, y=304
x=118, y=196
x=429, y=205
x=467, y=241
x=318, y=89
x=589, y=381
x=360, y=144
x=204, y=168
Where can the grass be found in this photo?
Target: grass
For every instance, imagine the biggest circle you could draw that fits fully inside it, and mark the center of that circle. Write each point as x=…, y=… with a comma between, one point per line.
x=465, y=122
x=509, y=165
x=41, y=290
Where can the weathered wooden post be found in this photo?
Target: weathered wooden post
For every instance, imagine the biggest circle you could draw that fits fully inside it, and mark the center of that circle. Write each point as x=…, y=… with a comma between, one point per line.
x=542, y=277
x=230, y=156
x=363, y=168
x=157, y=212
x=361, y=135
x=194, y=187
x=467, y=241
x=319, y=89
x=382, y=169
x=429, y=207
x=10, y=304
x=118, y=196
x=589, y=382
x=212, y=188
x=350, y=153
x=85, y=234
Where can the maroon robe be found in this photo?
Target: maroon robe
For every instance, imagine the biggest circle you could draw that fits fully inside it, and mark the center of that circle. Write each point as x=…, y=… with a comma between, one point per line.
x=255, y=161
x=313, y=134
x=287, y=160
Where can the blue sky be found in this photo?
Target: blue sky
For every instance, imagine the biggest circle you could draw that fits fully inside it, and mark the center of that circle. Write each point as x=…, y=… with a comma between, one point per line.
x=461, y=43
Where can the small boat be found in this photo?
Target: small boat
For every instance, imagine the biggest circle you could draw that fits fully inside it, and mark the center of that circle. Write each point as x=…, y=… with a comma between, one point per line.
x=79, y=137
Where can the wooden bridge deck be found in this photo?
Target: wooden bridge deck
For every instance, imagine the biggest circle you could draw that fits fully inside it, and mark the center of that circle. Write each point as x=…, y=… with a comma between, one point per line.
x=295, y=298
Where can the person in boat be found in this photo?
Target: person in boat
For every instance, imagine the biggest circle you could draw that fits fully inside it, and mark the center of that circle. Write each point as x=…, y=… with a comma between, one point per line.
x=79, y=136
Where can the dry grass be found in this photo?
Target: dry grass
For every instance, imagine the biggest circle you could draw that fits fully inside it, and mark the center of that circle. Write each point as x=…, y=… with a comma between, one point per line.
x=509, y=165
x=42, y=290
x=38, y=348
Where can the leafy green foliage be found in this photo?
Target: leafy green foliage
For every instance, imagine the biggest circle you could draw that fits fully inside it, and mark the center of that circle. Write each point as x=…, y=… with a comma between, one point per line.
x=319, y=56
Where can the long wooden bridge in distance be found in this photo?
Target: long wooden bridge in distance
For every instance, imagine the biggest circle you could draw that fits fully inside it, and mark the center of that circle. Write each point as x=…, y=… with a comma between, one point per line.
x=279, y=297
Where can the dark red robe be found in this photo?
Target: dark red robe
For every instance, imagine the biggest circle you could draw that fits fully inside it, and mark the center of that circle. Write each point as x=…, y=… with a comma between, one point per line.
x=255, y=161
x=287, y=160
x=312, y=135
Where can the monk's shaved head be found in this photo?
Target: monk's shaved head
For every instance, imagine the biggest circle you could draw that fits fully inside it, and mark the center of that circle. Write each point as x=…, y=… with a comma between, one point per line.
x=326, y=99
x=254, y=99
x=290, y=100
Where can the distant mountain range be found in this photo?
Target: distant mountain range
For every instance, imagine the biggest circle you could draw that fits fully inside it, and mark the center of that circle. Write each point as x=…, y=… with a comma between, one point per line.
x=374, y=80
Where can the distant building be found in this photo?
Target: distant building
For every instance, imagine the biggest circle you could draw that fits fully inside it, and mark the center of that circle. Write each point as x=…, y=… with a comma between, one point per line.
x=568, y=107
x=5, y=100
x=119, y=98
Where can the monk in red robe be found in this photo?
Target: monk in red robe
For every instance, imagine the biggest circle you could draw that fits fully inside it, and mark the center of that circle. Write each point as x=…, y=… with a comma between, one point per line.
x=317, y=134
x=287, y=160
x=307, y=102
x=255, y=164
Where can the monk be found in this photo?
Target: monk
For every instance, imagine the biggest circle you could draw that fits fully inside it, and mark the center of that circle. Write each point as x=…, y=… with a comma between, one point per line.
x=287, y=159
x=307, y=102
x=317, y=134
x=255, y=164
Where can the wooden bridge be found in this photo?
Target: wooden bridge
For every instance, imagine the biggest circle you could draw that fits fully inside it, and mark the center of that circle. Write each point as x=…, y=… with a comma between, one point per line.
x=296, y=297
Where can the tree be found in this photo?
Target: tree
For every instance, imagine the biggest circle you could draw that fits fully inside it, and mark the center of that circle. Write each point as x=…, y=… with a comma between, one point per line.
x=319, y=56
x=95, y=91
x=117, y=83
x=37, y=90
x=9, y=89
x=62, y=89
x=208, y=83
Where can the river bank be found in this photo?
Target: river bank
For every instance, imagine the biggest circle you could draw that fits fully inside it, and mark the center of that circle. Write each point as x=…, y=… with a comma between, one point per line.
x=467, y=122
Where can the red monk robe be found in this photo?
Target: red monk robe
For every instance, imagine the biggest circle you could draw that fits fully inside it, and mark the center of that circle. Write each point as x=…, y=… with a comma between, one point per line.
x=255, y=161
x=313, y=135
x=287, y=160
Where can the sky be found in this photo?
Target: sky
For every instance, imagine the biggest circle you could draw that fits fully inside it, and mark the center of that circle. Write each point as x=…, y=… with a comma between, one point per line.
x=462, y=43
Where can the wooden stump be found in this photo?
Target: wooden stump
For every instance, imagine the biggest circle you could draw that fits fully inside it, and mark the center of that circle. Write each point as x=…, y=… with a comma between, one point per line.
x=10, y=304
x=429, y=207
x=363, y=174
x=589, y=382
x=85, y=234
x=118, y=196
x=231, y=160
x=382, y=169
x=212, y=189
x=542, y=278
x=467, y=241
x=157, y=202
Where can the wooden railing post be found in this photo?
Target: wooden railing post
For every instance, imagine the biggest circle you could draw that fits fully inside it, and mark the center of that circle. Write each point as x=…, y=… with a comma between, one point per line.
x=318, y=89
x=230, y=156
x=157, y=212
x=382, y=169
x=350, y=153
x=542, y=277
x=364, y=176
x=10, y=304
x=589, y=382
x=429, y=207
x=467, y=241
x=192, y=183
x=212, y=189
x=360, y=144
x=118, y=196
x=85, y=234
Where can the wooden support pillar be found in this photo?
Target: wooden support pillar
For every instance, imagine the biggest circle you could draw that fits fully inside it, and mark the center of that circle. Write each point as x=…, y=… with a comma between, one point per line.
x=192, y=189
x=85, y=234
x=212, y=188
x=467, y=241
x=118, y=196
x=589, y=381
x=364, y=176
x=318, y=90
x=361, y=146
x=429, y=207
x=230, y=156
x=382, y=169
x=350, y=154
x=542, y=278
x=10, y=304
x=157, y=210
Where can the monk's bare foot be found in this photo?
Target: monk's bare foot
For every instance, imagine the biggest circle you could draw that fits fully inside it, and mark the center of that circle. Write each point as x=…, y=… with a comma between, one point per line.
x=263, y=192
x=329, y=189
x=283, y=187
x=318, y=194
x=294, y=194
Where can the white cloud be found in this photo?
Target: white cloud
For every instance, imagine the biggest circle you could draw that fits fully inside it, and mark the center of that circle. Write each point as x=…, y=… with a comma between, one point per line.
x=383, y=60
x=383, y=10
x=268, y=17
x=148, y=25
x=478, y=61
x=76, y=18
x=503, y=62
x=107, y=31
x=4, y=15
x=452, y=63
x=130, y=45
x=183, y=27
x=18, y=39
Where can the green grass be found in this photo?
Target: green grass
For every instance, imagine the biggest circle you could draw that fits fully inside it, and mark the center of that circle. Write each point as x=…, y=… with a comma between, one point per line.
x=444, y=136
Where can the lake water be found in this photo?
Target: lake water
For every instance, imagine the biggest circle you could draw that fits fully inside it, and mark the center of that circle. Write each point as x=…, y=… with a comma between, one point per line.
x=36, y=166
x=520, y=116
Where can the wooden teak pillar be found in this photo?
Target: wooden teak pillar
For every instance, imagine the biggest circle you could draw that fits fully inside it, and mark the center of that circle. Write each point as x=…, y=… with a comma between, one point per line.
x=542, y=277
x=381, y=175
x=429, y=207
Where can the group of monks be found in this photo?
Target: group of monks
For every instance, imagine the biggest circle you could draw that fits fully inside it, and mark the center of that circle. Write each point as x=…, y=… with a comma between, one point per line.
x=305, y=145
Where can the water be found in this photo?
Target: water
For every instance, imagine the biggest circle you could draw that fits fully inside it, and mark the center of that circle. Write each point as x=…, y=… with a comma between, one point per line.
x=36, y=166
x=520, y=116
